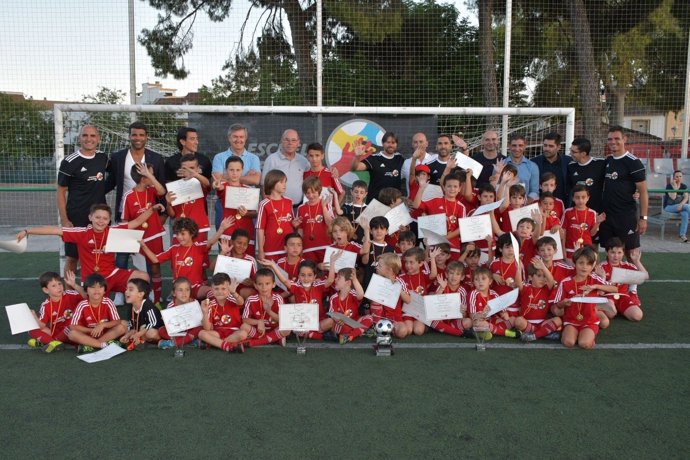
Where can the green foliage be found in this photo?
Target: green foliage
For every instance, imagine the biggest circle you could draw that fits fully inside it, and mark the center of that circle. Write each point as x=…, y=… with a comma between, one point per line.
x=28, y=129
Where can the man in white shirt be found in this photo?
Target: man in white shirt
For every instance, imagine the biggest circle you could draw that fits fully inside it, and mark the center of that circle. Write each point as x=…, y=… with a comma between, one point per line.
x=294, y=165
x=419, y=141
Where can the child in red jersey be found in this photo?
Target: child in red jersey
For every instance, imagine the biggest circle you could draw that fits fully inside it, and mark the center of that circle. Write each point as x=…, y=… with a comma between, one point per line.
x=517, y=199
x=194, y=209
x=505, y=268
x=533, y=320
x=240, y=217
x=91, y=241
x=626, y=301
x=472, y=258
x=274, y=220
x=487, y=195
x=580, y=320
x=143, y=318
x=260, y=318
x=237, y=248
x=558, y=270
x=389, y=267
x=290, y=263
x=547, y=183
x=313, y=220
x=450, y=205
x=56, y=311
x=477, y=304
x=343, y=238
x=580, y=222
x=346, y=300
x=187, y=258
x=449, y=284
x=222, y=320
x=182, y=294
x=315, y=156
x=95, y=323
x=142, y=197
x=418, y=280
x=551, y=222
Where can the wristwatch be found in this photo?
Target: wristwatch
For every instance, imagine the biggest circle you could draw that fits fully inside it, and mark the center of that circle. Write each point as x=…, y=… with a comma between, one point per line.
x=643, y=217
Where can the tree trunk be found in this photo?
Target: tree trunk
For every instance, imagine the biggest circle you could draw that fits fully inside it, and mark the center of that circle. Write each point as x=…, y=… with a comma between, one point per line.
x=619, y=95
x=301, y=43
x=588, y=78
x=486, y=57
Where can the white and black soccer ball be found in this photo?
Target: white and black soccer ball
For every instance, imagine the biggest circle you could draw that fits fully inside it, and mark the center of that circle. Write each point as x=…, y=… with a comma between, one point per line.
x=384, y=327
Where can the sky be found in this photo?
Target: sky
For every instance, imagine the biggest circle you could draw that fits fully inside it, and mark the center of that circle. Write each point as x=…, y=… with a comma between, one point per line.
x=64, y=50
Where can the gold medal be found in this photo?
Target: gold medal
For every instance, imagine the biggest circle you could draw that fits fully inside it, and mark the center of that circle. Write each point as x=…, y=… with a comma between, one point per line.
x=580, y=241
x=579, y=317
x=238, y=216
x=279, y=231
x=96, y=268
x=616, y=296
x=452, y=219
x=145, y=225
x=183, y=215
x=420, y=290
x=510, y=280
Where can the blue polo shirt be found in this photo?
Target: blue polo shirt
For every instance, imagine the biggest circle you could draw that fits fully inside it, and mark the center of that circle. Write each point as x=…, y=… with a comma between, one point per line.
x=251, y=161
x=528, y=173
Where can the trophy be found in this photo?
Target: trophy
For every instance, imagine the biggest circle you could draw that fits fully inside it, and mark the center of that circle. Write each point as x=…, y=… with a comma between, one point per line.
x=481, y=330
x=179, y=352
x=384, y=338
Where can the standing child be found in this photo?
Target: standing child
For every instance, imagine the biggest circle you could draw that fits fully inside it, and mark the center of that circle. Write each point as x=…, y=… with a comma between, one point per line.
x=547, y=183
x=194, y=209
x=346, y=300
x=533, y=320
x=222, y=315
x=315, y=156
x=260, y=318
x=56, y=311
x=290, y=263
x=626, y=301
x=137, y=200
x=182, y=294
x=406, y=240
x=313, y=220
x=517, y=198
x=580, y=222
x=379, y=230
x=355, y=209
x=580, y=320
x=241, y=217
x=451, y=283
x=389, y=267
x=237, y=248
x=96, y=323
x=418, y=280
x=274, y=220
x=487, y=195
x=143, y=318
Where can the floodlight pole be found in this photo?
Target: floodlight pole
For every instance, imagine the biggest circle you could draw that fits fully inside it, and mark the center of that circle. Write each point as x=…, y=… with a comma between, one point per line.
x=506, y=74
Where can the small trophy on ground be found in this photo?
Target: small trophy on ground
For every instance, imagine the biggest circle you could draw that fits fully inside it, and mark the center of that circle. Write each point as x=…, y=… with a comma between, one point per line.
x=384, y=338
x=481, y=330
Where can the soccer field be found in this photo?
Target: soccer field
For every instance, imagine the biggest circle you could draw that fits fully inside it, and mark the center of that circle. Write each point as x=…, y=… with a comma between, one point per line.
x=436, y=397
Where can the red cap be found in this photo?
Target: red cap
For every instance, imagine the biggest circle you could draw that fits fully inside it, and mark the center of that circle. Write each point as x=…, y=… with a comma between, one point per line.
x=422, y=168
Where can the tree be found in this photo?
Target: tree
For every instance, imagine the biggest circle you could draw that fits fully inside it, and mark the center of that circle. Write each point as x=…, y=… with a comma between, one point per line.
x=32, y=131
x=486, y=55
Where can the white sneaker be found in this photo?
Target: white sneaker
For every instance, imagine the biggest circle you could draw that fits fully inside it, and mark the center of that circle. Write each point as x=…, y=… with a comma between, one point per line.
x=119, y=299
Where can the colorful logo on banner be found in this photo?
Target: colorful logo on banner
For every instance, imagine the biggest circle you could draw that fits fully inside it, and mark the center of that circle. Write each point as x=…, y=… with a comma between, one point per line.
x=340, y=147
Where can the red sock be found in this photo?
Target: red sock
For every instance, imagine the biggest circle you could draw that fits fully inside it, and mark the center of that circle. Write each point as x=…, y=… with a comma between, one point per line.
x=157, y=289
x=545, y=328
x=315, y=335
x=269, y=337
x=41, y=336
x=499, y=328
x=446, y=328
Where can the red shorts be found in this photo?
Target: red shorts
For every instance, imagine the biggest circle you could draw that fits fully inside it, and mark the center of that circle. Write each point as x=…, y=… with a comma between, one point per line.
x=626, y=301
x=117, y=280
x=155, y=245
x=581, y=327
x=225, y=332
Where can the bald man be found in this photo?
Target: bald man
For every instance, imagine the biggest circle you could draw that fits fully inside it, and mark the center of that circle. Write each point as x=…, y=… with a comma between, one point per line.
x=294, y=165
x=419, y=141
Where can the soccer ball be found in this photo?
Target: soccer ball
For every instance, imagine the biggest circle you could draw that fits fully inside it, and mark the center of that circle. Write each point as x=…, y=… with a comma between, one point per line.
x=384, y=327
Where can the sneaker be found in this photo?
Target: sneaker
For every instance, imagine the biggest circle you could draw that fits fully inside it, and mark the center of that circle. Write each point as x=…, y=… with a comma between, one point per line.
x=371, y=333
x=85, y=349
x=486, y=335
x=553, y=336
x=343, y=339
x=684, y=239
x=512, y=333
x=196, y=343
x=469, y=333
x=115, y=342
x=528, y=337
x=166, y=344
x=55, y=345
x=34, y=343
x=330, y=336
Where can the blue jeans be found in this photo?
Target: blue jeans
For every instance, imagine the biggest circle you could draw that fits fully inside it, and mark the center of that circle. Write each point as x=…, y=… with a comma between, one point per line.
x=684, y=215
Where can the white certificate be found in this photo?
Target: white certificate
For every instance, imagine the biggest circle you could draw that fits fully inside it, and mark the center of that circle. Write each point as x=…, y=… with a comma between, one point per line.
x=416, y=308
x=185, y=190
x=325, y=193
x=466, y=162
x=299, y=317
x=589, y=299
x=433, y=238
x=237, y=269
x=103, y=354
x=435, y=222
x=280, y=283
x=14, y=246
x=373, y=209
x=433, y=307
x=520, y=213
x=560, y=254
x=483, y=209
x=21, y=318
x=384, y=291
x=124, y=240
x=345, y=319
x=625, y=276
x=501, y=302
x=432, y=191
x=182, y=317
x=242, y=196
x=397, y=217
x=347, y=259
x=475, y=228
x=516, y=250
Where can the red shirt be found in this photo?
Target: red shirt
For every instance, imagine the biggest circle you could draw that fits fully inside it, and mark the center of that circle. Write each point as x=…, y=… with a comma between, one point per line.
x=559, y=207
x=226, y=316
x=91, y=249
x=552, y=220
x=608, y=269
x=195, y=210
x=57, y=315
x=90, y=316
x=454, y=211
x=577, y=313
x=314, y=227
x=187, y=261
x=135, y=203
x=275, y=219
x=394, y=314
x=314, y=294
x=245, y=223
x=292, y=270
x=507, y=270
x=351, y=246
x=503, y=219
x=327, y=180
x=348, y=306
x=560, y=270
x=477, y=302
x=254, y=309
x=534, y=303
x=578, y=224
x=418, y=283
x=528, y=249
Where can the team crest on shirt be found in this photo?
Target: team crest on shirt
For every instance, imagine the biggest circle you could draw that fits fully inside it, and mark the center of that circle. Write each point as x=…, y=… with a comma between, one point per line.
x=225, y=319
x=348, y=312
x=612, y=176
x=318, y=218
x=584, y=226
x=188, y=261
x=313, y=301
x=589, y=182
x=419, y=290
x=541, y=304
x=554, y=214
x=68, y=313
x=395, y=173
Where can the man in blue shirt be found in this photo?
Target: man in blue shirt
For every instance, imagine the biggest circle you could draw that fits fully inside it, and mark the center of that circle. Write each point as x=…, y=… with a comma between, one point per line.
x=251, y=174
x=528, y=172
